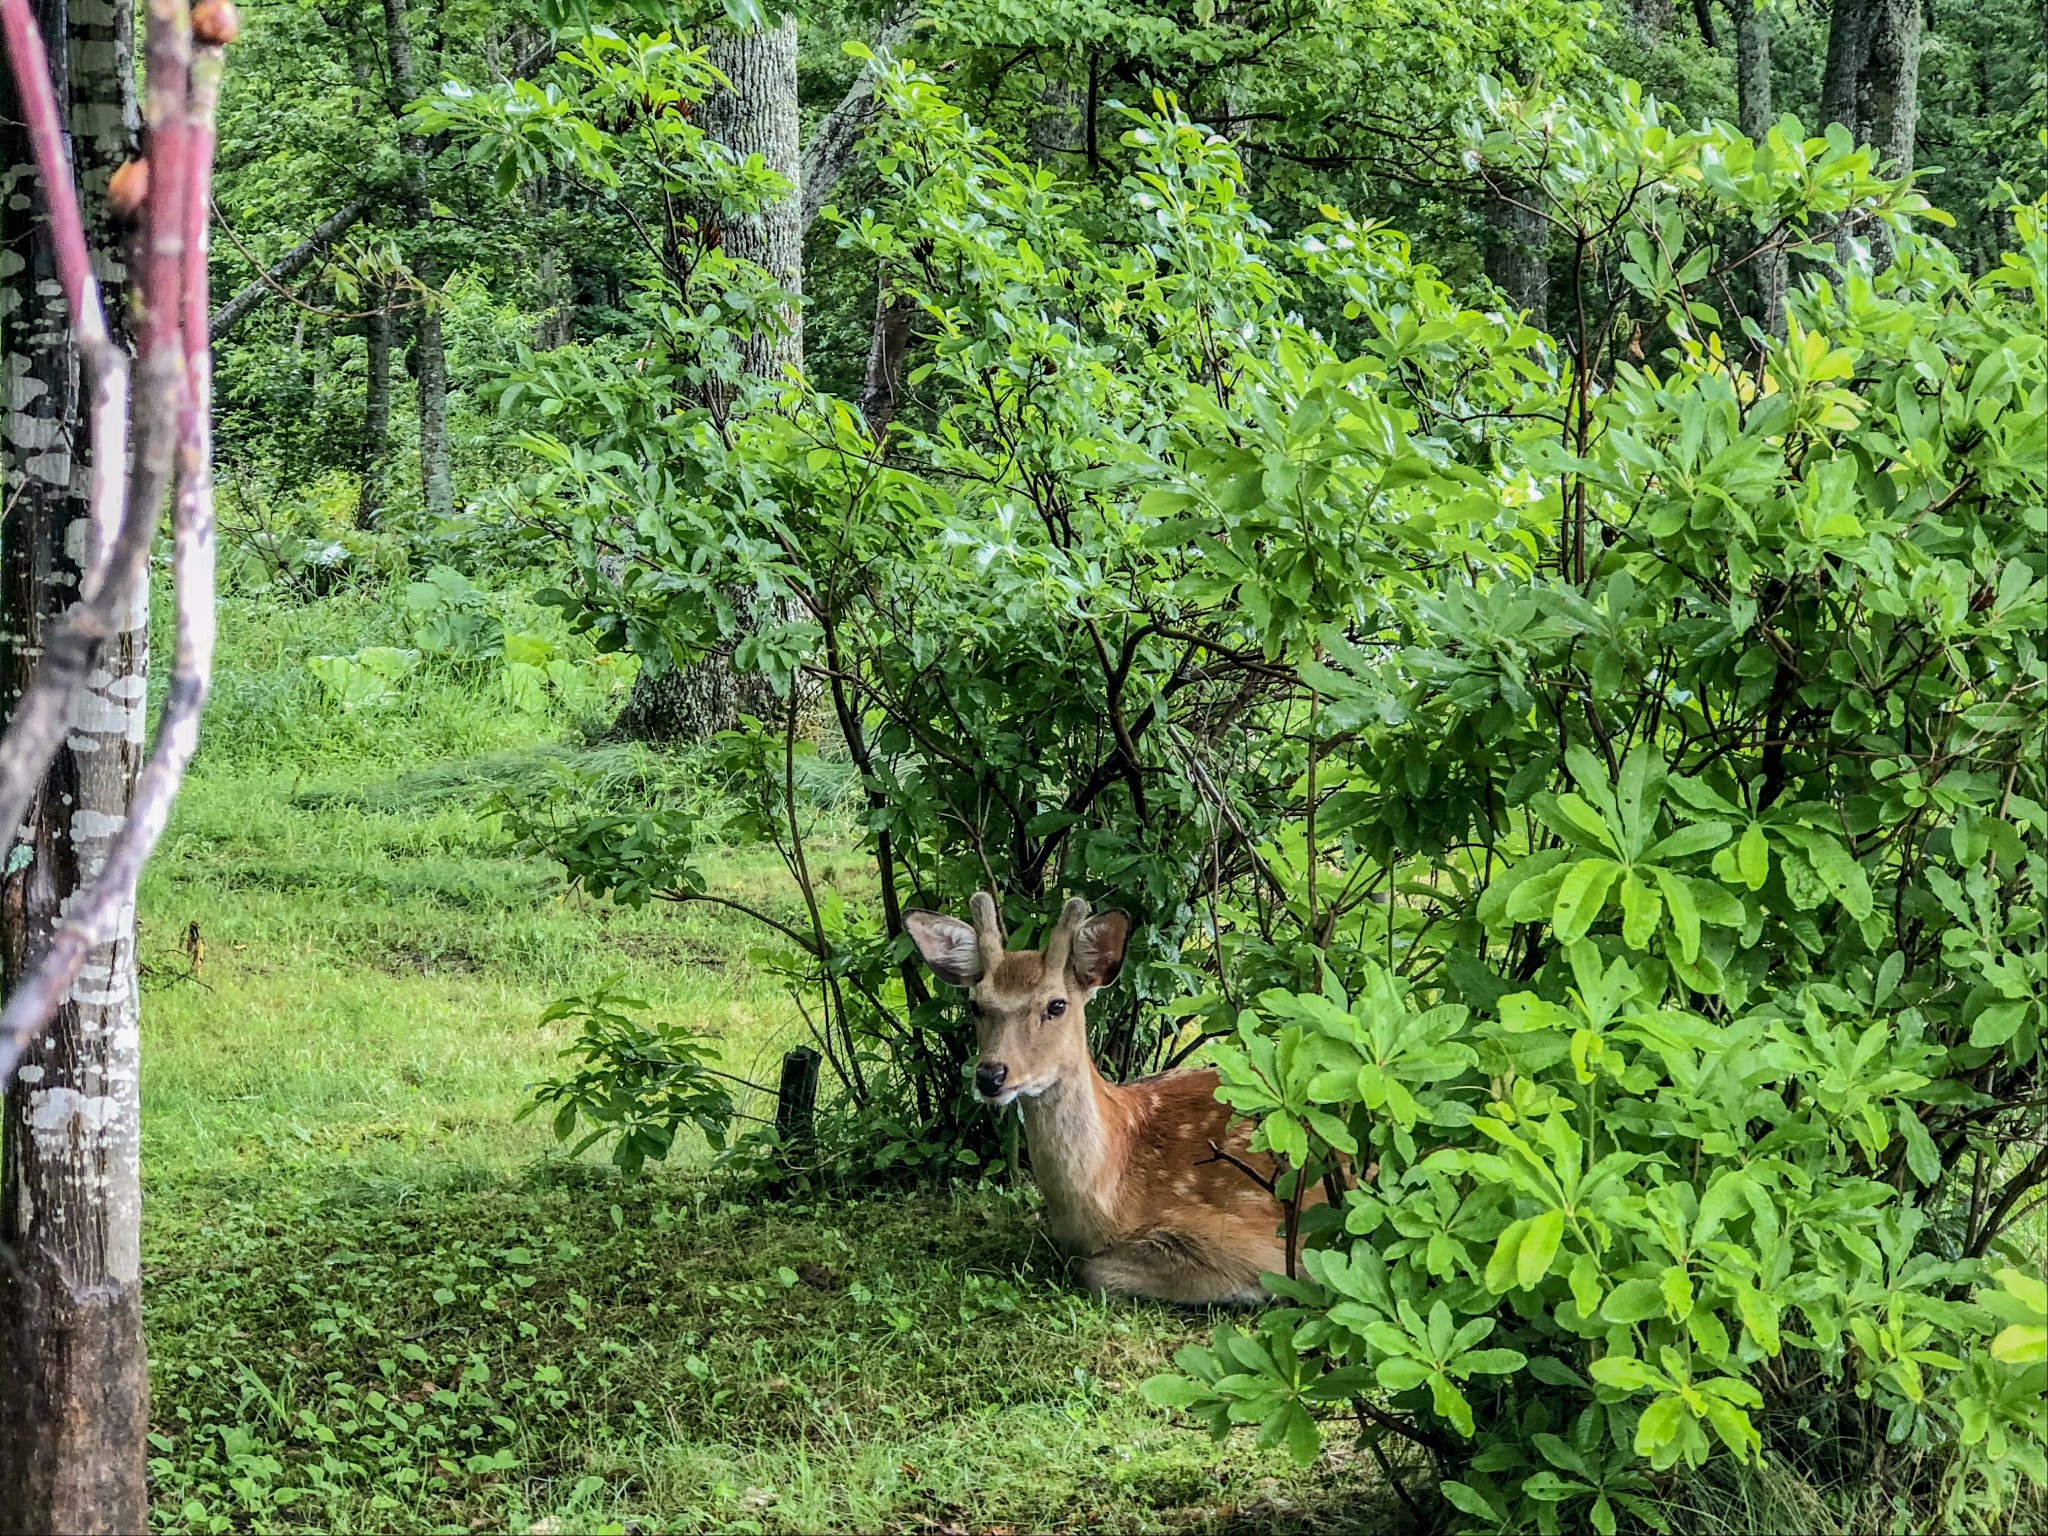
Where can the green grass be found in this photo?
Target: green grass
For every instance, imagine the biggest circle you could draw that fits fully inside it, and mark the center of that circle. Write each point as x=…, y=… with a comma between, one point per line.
x=378, y=1300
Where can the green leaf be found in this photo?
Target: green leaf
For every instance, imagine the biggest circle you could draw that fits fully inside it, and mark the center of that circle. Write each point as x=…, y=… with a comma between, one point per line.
x=2021, y=1344
x=1502, y=1270
x=1640, y=909
x=1685, y=917
x=1580, y=897
x=1624, y=1373
x=1538, y=1247
x=1304, y=1437
x=1398, y=1373
x=1753, y=856
x=1633, y=1301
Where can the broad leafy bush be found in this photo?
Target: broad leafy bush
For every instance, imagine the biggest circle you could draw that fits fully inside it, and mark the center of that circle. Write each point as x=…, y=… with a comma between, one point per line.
x=1587, y=789
x=1697, y=1065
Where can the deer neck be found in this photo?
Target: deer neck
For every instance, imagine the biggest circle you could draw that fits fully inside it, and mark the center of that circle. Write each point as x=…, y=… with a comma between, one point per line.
x=1076, y=1135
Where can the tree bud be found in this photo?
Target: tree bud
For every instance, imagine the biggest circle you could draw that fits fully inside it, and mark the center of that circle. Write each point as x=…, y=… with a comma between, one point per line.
x=214, y=23
x=128, y=188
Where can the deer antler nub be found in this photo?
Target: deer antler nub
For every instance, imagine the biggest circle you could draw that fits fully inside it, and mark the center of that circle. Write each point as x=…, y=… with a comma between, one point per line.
x=988, y=927
x=1061, y=940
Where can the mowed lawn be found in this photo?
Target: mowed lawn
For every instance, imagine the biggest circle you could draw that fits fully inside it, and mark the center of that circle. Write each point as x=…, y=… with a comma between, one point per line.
x=377, y=1299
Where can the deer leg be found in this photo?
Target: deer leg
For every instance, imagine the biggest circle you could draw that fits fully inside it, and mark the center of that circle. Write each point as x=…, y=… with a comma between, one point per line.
x=1167, y=1269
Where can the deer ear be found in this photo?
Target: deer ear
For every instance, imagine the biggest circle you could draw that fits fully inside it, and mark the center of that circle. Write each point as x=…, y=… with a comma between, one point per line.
x=1098, y=951
x=948, y=946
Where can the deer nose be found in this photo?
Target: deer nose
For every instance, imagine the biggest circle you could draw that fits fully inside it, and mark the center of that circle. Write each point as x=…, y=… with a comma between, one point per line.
x=988, y=1077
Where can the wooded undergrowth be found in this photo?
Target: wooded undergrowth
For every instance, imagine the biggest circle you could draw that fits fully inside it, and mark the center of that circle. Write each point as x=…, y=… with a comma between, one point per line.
x=1510, y=543
x=1674, y=685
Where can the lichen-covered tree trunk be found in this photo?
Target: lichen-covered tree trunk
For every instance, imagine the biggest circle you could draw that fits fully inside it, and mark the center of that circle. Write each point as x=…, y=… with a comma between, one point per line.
x=757, y=116
x=430, y=355
x=1872, y=86
x=74, y=1387
x=1754, y=114
x=1839, y=79
x=1888, y=88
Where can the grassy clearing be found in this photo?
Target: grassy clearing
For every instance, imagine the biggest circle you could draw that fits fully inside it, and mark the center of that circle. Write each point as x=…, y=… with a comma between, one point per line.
x=377, y=1300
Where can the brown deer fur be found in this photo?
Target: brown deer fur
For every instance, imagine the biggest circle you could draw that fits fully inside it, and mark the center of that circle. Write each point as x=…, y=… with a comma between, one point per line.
x=1148, y=1182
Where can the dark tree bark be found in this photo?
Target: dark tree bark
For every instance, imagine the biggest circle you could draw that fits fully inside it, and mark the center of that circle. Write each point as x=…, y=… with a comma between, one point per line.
x=1872, y=86
x=887, y=343
x=376, y=450
x=1888, y=87
x=437, y=485
x=74, y=1387
x=1652, y=18
x=1518, y=249
x=1840, y=79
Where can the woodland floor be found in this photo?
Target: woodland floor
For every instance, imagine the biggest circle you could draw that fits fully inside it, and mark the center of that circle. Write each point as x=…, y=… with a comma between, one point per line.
x=378, y=1300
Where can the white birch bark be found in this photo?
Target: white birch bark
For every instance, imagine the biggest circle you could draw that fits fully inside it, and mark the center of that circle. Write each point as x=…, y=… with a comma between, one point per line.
x=73, y=1381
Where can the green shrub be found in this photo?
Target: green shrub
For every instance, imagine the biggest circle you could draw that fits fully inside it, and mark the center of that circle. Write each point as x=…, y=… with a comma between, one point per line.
x=1589, y=787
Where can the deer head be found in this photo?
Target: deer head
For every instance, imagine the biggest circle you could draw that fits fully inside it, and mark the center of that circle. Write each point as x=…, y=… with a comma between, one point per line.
x=1030, y=1005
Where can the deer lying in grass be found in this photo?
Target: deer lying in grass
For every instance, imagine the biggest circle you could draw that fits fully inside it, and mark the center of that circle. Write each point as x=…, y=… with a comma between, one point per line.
x=1147, y=1181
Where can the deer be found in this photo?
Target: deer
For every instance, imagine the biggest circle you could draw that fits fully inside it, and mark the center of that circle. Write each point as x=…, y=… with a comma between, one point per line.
x=1148, y=1183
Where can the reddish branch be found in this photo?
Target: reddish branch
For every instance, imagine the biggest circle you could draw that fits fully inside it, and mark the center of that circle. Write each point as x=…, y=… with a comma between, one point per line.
x=172, y=447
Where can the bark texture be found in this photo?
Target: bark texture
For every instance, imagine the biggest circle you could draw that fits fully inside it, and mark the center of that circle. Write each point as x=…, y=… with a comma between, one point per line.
x=74, y=1388
x=1755, y=116
x=430, y=356
x=1872, y=86
x=1888, y=87
x=1518, y=249
x=756, y=116
x=887, y=344
x=1872, y=82
x=376, y=449
x=831, y=150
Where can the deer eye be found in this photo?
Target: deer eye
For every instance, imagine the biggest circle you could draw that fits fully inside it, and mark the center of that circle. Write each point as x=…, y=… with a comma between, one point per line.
x=1056, y=1007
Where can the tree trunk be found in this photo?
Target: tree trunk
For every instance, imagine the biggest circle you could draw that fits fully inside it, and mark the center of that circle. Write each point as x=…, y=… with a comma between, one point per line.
x=757, y=116
x=555, y=279
x=437, y=482
x=74, y=1385
x=1888, y=90
x=1518, y=249
x=376, y=451
x=430, y=357
x=1652, y=18
x=887, y=343
x=1841, y=78
x=1872, y=85
x=1754, y=116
